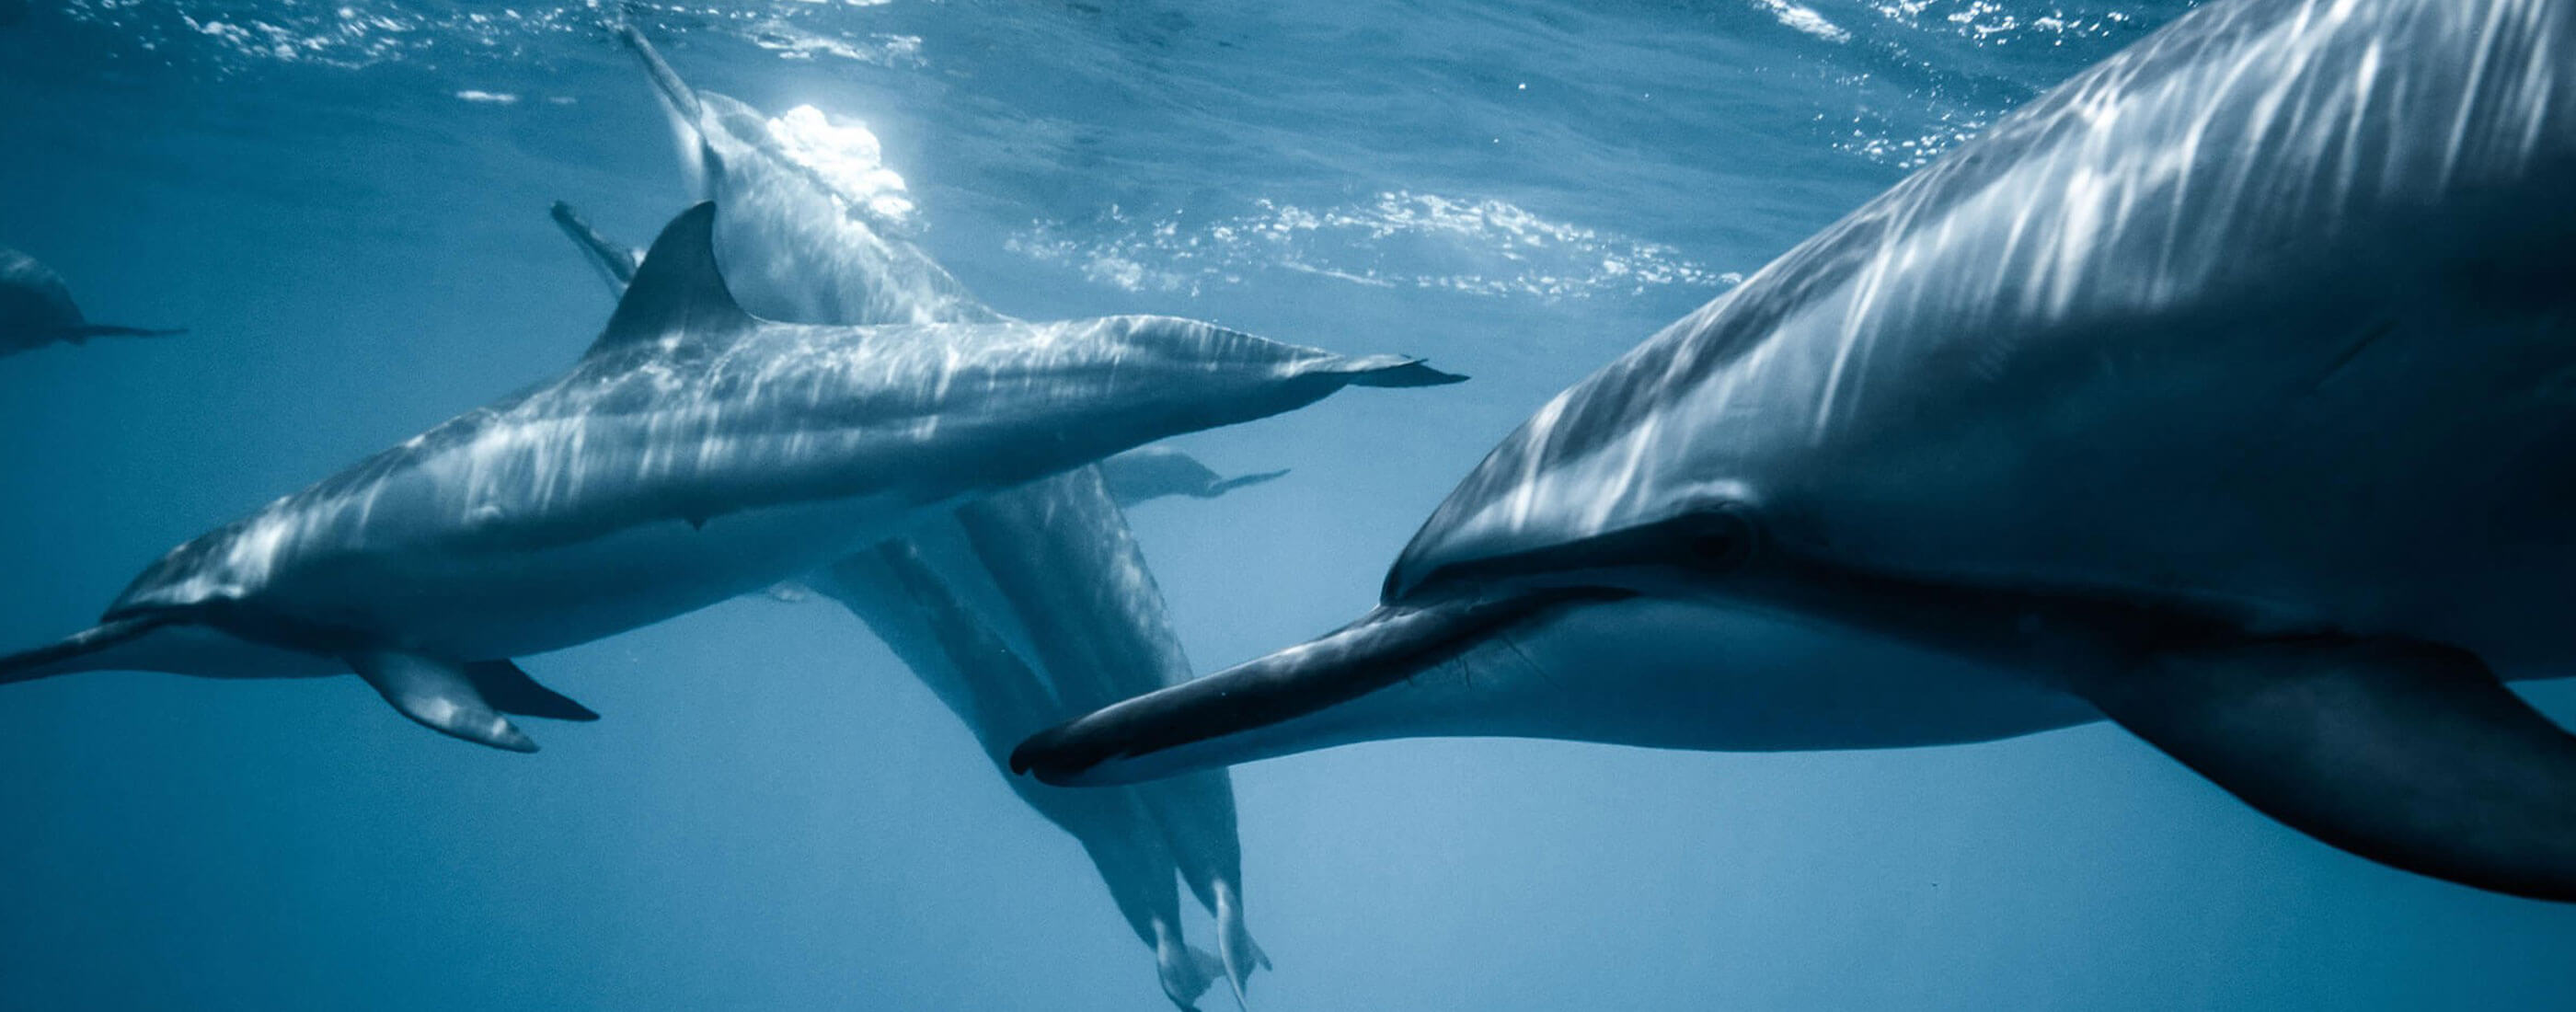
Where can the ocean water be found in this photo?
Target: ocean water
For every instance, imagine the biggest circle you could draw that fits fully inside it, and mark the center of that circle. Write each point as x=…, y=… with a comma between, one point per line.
x=346, y=204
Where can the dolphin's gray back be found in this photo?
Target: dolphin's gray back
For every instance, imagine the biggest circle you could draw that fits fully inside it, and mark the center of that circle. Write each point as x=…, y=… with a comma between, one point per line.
x=2137, y=335
x=774, y=415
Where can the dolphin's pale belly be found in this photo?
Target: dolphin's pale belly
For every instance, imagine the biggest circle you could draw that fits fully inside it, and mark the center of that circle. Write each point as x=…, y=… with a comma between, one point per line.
x=1675, y=674
x=1668, y=673
x=491, y=603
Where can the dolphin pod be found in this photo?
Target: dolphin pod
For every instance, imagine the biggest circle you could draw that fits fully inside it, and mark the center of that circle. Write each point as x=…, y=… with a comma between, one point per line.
x=971, y=667
x=36, y=309
x=2220, y=392
x=694, y=453
x=1049, y=569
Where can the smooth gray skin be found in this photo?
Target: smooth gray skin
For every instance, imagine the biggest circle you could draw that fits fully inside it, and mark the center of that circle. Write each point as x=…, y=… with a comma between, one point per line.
x=36, y=309
x=1141, y=475
x=999, y=697
x=1052, y=566
x=2223, y=391
x=695, y=453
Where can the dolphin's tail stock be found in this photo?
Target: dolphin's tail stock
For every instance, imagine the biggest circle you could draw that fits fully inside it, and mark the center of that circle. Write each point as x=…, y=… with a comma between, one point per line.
x=1241, y=955
x=97, y=648
x=82, y=333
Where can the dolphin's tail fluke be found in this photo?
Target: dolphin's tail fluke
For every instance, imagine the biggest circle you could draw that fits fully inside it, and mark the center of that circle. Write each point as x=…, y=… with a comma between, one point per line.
x=1186, y=970
x=93, y=649
x=86, y=331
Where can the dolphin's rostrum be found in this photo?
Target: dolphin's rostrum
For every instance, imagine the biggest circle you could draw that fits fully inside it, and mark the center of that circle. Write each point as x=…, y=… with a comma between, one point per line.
x=2222, y=392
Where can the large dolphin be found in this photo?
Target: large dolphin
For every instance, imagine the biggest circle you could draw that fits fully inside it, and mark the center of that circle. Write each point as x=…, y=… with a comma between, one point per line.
x=985, y=682
x=2227, y=391
x=694, y=453
x=1053, y=564
x=36, y=309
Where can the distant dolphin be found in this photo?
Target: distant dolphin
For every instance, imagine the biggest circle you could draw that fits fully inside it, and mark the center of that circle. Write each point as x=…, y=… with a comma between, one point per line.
x=1153, y=472
x=1140, y=475
x=2227, y=391
x=695, y=453
x=36, y=309
x=1053, y=563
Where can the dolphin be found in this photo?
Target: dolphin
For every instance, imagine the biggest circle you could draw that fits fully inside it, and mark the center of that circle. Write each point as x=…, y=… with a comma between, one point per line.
x=694, y=453
x=981, y=678
x=985, y=682
x=1152, y=472
x=1143, y=474
x=2222, y=392
x=36, y=309
x=1052, y=565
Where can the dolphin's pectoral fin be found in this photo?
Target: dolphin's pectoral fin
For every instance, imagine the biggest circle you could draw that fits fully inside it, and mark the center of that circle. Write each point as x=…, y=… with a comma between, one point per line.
x=2411, y=755
x=441, y=696
x=510, y=690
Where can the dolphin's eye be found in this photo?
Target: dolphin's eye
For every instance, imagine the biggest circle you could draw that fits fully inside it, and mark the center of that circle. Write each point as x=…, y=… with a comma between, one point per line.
x=1715, y=541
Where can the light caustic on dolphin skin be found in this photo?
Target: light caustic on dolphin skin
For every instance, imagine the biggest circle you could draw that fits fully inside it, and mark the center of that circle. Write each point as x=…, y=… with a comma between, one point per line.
x=2221, y=392
x=814, y=225
x=694, y=453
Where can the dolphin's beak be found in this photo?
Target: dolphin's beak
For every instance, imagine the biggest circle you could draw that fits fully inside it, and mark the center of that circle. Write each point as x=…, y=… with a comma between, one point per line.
x=1290, y=701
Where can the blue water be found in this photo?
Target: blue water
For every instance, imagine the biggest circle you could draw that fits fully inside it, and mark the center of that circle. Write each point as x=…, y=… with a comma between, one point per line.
x=345, y=203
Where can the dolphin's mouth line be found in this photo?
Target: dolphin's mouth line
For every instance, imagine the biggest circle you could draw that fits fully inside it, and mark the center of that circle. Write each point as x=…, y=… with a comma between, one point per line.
x=1389, y=645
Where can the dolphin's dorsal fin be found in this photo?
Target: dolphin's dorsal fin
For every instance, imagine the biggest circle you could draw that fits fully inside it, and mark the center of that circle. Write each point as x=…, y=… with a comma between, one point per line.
x=678, y=292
